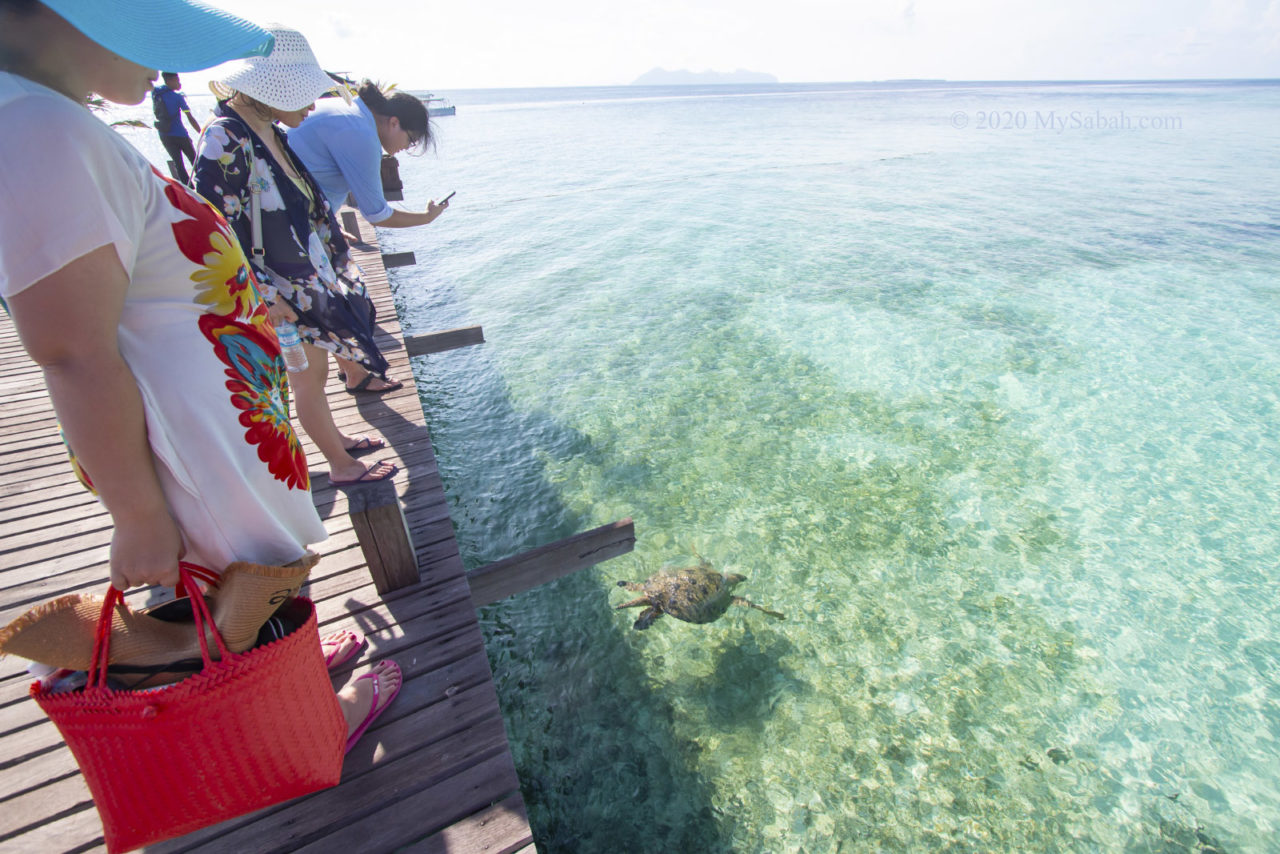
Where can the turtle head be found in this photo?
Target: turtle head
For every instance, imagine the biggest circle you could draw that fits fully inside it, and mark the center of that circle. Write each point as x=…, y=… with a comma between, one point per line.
x=647, y=616
x=733, y=578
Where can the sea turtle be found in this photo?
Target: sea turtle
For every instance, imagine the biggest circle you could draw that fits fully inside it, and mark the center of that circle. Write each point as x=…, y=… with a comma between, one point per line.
x=695, y=594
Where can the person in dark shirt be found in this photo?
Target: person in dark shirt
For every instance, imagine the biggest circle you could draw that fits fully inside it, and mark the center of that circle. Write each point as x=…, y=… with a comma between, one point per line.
x=169, y=105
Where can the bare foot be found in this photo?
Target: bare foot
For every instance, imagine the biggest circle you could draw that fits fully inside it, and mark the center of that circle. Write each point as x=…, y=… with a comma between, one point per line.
x=338, y=647
x=357, y=698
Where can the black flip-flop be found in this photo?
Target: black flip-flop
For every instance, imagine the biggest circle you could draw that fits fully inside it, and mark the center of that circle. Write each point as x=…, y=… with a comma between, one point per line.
x=362, y=387
x=364, y=478
x=365, y=445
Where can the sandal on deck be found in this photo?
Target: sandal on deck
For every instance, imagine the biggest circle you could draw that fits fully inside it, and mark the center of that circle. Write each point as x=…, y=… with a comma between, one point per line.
x=369, y=476
x=364, y=445
x=380, y=700
x=362, y=387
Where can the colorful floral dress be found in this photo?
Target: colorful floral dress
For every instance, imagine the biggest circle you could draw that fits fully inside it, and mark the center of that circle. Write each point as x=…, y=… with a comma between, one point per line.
x=192, y=329
x=305, y=258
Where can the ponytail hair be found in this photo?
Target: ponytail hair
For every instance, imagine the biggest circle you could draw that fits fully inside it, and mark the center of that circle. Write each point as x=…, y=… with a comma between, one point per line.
x=410, y=111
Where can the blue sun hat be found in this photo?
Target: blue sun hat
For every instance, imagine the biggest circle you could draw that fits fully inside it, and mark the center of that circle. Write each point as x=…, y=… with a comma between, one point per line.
x=174, y=35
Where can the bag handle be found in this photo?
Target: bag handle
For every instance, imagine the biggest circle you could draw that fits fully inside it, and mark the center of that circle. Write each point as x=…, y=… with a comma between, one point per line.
x=97, y=675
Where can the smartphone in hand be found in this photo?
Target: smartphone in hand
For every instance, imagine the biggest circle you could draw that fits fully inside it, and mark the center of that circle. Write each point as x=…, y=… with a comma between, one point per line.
x=446, y=199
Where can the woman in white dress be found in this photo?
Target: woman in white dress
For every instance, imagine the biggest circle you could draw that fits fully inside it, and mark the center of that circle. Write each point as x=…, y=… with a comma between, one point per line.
x=134, y=298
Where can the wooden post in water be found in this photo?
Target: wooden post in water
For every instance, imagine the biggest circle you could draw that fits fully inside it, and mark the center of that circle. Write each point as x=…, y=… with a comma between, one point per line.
x=439, y=342
x=383, y=532
x=398, y=259
x=351, y=225
x=513, y=575
x=392, y=187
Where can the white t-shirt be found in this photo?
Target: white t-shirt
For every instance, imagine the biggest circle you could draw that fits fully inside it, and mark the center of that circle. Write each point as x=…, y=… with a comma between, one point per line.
x=193, y=330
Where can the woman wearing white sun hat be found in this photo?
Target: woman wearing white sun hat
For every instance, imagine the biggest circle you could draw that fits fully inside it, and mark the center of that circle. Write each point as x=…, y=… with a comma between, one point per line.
x=301, y=258
x=134, y=298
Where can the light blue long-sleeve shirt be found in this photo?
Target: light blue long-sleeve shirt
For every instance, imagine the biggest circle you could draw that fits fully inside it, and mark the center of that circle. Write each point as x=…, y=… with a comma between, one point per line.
x=339, y=145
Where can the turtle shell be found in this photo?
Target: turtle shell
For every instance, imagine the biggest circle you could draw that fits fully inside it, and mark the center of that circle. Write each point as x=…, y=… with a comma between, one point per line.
x=693, y=594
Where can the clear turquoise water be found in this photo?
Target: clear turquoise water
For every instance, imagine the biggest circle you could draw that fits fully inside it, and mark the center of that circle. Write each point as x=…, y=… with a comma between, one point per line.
x=991, y=414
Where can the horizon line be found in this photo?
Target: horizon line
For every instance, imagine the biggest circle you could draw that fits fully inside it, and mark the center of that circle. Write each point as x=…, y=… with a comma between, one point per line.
x=892, y=80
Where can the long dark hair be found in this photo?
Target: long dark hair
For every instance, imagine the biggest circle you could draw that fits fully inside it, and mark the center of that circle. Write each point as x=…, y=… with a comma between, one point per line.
x=411, y=112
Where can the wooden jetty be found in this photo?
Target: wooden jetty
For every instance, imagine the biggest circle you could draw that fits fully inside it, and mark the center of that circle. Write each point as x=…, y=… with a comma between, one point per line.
x=435, y=773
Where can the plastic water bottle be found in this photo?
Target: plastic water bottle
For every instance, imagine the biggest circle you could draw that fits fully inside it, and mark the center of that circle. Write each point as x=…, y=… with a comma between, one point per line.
x=295, y=358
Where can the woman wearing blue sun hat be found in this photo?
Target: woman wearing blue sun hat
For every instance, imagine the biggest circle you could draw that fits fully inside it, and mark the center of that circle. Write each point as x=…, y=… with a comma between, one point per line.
x=135, y=299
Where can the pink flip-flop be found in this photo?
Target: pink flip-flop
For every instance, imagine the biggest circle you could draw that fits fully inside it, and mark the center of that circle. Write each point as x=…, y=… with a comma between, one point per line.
x=336, y=659
x=380, y=700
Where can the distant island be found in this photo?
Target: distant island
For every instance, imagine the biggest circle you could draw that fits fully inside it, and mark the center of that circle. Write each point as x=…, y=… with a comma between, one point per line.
x=684, y=77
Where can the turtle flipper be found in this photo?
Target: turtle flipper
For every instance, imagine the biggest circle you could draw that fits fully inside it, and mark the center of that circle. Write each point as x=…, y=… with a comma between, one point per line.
x=646, y=618
x=738, y=600
x=634, y=603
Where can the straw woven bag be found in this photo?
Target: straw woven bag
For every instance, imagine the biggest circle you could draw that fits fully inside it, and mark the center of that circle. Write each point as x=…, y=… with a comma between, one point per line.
x=249, y=730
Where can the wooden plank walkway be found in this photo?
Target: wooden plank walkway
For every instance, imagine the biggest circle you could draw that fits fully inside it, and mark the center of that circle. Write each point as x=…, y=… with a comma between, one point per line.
x=434, y=774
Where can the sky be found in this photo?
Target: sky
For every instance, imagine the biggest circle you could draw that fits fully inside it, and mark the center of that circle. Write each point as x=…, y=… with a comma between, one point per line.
x=423, y=45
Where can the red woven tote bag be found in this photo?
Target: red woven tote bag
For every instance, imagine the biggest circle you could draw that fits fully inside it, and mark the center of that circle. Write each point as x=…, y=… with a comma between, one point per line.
x=249, y=730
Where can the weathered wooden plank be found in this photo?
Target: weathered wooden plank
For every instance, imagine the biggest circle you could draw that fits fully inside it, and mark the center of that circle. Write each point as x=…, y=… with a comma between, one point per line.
x=430, y=809
x=501, y=829
x=76, y=830
x=25, y=811
x=351, y=224
x=439, y=342
x=384, y=535
x=516, y=574
x=398, y=259
x=20, y=505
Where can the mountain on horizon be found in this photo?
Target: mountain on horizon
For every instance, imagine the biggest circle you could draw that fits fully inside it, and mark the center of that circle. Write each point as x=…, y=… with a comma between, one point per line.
x=684, y=77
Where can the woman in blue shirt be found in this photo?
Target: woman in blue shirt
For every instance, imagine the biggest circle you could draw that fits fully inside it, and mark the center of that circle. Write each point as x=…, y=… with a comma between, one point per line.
x=341, y=145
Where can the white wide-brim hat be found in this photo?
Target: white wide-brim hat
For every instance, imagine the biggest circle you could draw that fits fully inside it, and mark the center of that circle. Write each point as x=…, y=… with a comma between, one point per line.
x=288, y=78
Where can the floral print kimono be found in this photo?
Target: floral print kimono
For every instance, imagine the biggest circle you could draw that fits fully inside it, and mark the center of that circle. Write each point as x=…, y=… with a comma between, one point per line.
x=305, y=259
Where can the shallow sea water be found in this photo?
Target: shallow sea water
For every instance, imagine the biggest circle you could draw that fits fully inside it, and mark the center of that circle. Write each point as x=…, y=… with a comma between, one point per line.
x=990, y=414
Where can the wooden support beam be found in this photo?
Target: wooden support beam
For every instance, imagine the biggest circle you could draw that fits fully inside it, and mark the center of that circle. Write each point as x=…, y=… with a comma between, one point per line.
x=350, y=224
x=383, y=533
x=393, y=195
x=398, y=259
x=390, y=168
x=523, y=572
x=439, y=342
